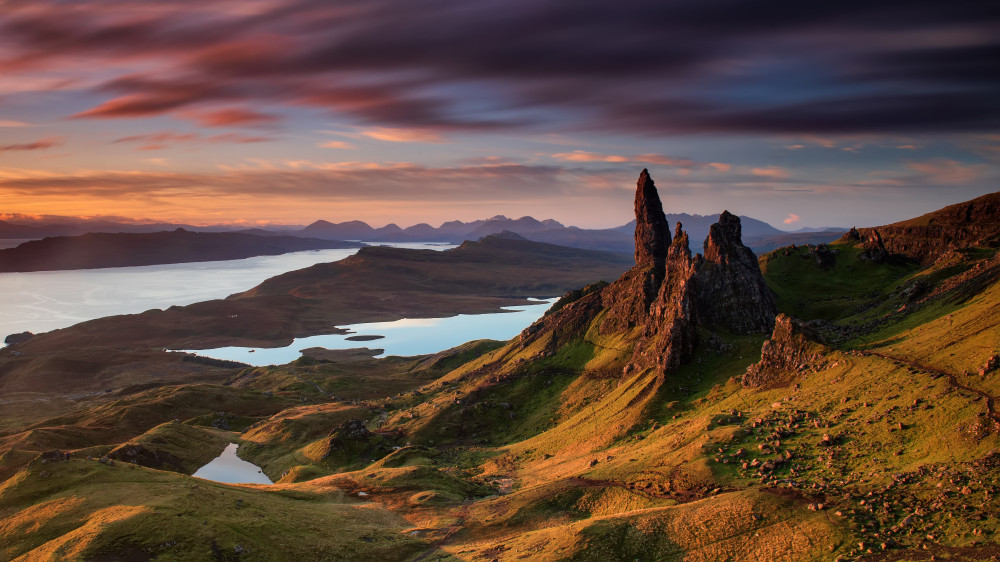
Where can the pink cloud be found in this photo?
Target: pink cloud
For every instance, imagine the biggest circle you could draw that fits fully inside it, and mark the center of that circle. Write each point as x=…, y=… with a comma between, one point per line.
x=42, y=144
x=164, y=139
x=772, y=172
x=686, y=164
x=232, y=117
x=945, y=171
x=584, y=156
x=792, y=219
x=388, y=134
x=336, y=144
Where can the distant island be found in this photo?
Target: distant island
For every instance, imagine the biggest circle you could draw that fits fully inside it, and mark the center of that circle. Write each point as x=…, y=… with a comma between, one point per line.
x=100, y=250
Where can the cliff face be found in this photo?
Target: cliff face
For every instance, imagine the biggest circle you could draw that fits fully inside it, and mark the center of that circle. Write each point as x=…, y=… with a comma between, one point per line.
x=669, y=294
x=925, y=238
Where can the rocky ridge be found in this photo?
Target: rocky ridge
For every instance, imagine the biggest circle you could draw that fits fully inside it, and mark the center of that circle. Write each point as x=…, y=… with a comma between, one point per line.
x=669, y=294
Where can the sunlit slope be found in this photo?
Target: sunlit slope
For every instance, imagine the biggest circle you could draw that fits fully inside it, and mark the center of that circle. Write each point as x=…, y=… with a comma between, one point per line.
x=81, y=510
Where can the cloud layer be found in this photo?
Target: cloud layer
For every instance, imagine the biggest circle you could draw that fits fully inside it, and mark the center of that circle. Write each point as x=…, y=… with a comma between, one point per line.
x=774, y=66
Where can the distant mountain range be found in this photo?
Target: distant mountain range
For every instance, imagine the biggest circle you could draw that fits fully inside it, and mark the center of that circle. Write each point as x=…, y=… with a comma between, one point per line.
x=758, y=235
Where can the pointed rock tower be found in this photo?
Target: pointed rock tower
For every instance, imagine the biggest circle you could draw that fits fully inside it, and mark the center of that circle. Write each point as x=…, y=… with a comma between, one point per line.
x=658, y=305
x=652, y=234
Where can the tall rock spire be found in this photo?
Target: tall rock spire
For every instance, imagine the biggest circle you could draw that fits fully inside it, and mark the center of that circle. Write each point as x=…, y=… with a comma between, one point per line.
x=652, y=234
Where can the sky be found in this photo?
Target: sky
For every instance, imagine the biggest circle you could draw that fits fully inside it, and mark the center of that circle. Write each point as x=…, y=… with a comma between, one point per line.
x=802, y=114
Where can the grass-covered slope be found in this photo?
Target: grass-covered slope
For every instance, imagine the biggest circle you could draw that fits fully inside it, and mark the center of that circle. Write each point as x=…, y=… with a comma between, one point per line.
x=878, y=441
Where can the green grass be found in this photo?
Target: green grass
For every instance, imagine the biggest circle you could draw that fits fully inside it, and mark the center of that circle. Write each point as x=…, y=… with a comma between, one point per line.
x=806, y=290
x=82, y=509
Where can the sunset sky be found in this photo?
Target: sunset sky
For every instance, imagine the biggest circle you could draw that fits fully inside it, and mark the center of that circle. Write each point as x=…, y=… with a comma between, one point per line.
x=282, y=111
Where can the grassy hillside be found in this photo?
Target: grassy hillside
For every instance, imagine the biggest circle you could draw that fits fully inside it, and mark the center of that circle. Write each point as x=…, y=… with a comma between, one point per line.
x=879, y=443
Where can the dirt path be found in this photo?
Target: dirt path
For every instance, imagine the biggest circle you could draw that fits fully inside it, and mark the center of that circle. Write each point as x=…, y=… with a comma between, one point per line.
x=952, y=379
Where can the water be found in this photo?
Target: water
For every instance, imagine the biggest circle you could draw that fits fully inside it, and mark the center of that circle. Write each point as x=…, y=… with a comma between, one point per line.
x=411, y=336
x=47, y=300
x=231, y=469
x=12, y=242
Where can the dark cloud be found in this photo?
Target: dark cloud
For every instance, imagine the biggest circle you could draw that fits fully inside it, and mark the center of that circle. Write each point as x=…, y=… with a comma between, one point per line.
x=658, y=67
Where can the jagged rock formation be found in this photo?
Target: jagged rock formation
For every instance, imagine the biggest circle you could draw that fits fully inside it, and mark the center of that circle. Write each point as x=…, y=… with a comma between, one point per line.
x=790, y=350
x=668, y=338
x=669, y=293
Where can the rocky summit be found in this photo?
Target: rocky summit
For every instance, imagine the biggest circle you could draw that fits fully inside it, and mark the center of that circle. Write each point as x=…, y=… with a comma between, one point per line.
x=669, y=295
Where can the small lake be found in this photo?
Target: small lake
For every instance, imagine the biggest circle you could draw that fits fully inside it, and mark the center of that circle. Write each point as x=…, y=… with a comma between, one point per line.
x=231, y=469
x=47, y=300
x=410, y=336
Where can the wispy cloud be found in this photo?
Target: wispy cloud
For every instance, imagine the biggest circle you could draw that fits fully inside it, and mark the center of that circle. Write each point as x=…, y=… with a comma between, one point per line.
x=657, y=159
x=15, y=124
x=336, y=144
x=773, y=172
x=165, y=139
x=233, y=117
x=43, y=144
x=792, y=218
x=945, y=171
x=387, y=134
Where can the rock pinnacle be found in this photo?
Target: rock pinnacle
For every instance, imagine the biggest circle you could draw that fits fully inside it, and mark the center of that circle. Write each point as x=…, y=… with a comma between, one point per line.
x=652, y=234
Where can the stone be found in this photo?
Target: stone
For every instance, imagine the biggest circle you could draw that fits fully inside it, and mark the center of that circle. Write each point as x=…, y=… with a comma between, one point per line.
x=652, y=235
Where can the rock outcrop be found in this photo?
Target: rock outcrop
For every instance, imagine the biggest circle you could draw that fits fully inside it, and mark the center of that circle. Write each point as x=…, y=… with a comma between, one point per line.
x=142, y=455
x=732, y=293
x=662, y=301
x=873, y=249
x=790, y=350
x=18, y=338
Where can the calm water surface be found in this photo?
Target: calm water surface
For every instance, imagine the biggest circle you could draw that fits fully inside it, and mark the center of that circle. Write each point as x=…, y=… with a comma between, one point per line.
x=411, y=336
x=46, y=300
x=231, y=469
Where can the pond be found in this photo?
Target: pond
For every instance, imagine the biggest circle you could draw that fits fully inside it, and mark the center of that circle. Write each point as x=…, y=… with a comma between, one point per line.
x=230, y=469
